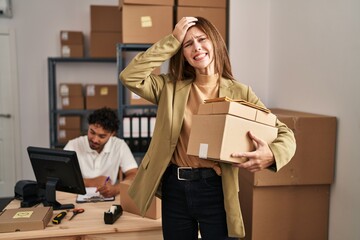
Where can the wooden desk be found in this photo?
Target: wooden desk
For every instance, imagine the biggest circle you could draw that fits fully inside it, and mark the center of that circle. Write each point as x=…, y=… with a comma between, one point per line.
x=90, y=224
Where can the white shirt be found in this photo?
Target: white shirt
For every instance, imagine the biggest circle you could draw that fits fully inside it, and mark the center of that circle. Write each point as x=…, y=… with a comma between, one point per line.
x=114, y=155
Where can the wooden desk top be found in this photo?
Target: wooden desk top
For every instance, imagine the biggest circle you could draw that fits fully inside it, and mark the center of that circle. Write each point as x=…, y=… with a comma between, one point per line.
x=90, y=224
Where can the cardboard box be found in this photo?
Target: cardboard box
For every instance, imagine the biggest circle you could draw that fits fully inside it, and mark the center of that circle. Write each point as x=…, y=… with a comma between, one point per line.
x=202, y=3
x=215, y=137
x=216, y=16
x=64, y=135
x=314, y=159
x=71, y=90
x=147, y=2
x=285, y=212
x=25, y=219
x=146, y=24
x=101, y=95
x=137, y=100
x=105, y=18
x=72, y=50
x=72, y=103
x=71, y=38
x=222, y=125
x=154, y=211
x=103, y=44
x=69, y=122
x=237, y=109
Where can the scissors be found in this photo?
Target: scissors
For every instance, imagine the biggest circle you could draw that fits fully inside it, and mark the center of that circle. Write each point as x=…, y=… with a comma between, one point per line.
x=76, y=211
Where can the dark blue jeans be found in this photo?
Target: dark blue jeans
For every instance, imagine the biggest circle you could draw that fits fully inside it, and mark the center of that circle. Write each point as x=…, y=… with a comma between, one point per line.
x=188, y=206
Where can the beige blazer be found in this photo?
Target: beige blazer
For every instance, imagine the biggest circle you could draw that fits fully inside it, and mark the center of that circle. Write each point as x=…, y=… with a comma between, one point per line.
x=171, y=98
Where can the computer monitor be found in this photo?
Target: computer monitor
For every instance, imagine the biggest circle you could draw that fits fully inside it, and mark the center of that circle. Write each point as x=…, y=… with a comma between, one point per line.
x=56, y=169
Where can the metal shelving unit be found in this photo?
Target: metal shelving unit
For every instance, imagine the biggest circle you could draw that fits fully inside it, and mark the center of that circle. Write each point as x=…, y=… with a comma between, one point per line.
x=53, y=111
x=124, y=108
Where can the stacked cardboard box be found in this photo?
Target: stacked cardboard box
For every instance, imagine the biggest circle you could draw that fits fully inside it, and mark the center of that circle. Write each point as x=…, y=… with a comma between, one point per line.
x=221, y=127
x=146, y=22
x=69, y=127
x=214, y=11
x=105, y=30
x=101, y=95
x=71, y=98
x=72, y=43
x=294, y=202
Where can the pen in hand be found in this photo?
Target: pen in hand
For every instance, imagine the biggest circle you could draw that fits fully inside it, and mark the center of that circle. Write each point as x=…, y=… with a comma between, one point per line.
x=107, y=179
x=103, y=187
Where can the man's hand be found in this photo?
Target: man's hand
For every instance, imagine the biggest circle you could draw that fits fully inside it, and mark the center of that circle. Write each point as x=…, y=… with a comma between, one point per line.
x=259, y=159
x=108, y=190
x=105, y=188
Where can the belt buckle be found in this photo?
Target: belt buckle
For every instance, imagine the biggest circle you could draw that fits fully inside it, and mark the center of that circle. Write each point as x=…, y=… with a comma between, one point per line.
x=178, y=173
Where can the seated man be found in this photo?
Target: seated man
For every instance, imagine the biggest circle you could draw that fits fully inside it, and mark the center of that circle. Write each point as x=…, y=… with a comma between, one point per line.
x=103, y=156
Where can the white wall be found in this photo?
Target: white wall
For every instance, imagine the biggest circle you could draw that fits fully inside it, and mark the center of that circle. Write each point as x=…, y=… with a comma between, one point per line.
x=309, y=54
x=249, y=44
x=302, y=55
x=315, y=67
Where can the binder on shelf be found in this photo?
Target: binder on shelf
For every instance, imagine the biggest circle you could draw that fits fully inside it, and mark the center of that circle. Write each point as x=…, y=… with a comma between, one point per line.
x=127, y=131
x=144, y=133
x=152, y=125
x=135, y=133
x=137, y=130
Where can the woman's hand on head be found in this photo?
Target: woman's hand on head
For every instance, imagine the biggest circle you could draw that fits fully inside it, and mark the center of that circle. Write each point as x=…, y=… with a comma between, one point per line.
x=182, y=26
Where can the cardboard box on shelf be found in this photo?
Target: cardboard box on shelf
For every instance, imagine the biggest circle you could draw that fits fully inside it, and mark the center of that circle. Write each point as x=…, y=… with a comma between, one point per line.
x=71, y=38
x=202, y=3
x=137, y=100
x=103, y=44
x=25, y=219
x=72, y=103
x=314, y=159
x=147, y=2
x=101, y=95
x=72, y=51
x=72, y=43
x=104, y=18
x=154, y=211
x=71, y=89
x=216, y=133
x=217, y=16
x=64, y=135
x=69, y=122
x=145, y=24
x=285, y=212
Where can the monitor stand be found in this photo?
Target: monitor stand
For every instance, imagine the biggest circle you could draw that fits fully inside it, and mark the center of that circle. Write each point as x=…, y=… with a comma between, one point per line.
x=50, y=196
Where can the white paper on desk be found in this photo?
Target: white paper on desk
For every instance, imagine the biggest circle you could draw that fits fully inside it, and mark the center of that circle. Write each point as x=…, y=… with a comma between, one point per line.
x=92, y=196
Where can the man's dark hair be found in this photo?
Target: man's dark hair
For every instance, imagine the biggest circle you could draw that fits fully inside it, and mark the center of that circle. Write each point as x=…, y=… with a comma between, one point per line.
x=106, y=118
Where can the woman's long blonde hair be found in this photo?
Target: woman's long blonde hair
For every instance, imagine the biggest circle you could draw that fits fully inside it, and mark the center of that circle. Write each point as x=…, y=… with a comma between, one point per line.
x=179, y=69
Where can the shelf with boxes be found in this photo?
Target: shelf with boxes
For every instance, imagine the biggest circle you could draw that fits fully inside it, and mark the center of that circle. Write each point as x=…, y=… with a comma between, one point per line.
x=69, y=106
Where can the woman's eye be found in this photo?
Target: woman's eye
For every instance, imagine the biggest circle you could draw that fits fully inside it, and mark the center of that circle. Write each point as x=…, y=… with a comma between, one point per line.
x=187, y=45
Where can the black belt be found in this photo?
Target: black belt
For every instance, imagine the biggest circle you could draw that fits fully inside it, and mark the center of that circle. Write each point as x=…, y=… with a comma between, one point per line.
x=191, y=174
